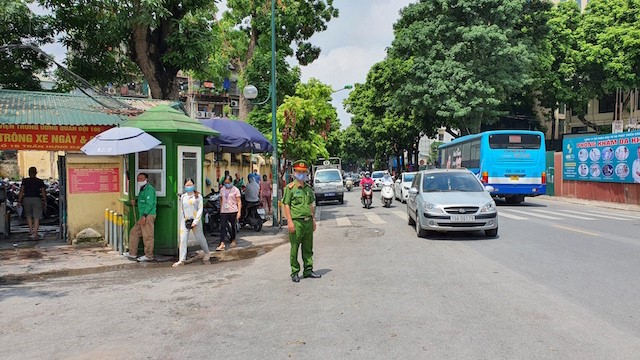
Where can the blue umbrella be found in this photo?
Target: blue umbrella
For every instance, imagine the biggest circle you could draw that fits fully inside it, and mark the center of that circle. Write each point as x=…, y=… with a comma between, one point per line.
x=235, y=137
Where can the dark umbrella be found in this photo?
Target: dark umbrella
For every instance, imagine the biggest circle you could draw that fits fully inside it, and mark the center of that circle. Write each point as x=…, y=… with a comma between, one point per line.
x=235, y=137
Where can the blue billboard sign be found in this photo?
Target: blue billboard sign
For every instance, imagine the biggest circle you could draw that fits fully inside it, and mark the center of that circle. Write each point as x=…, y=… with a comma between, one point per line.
x=602, y=158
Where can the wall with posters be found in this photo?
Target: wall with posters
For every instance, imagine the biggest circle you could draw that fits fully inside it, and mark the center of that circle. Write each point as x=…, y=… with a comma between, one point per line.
x=613, y=158
x=94, y=183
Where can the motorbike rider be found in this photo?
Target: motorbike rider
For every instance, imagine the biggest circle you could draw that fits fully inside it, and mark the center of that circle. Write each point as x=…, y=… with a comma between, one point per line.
x=367, y=180
x=387, y=179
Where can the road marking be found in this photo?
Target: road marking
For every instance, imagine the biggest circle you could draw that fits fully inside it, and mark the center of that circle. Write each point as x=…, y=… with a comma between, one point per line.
x=597, y=215
x=576, y=230
x=533, y=214
x=511, y=216
x=630, y=217
x=567, y=215
x=343, y=221
x=400, y=214
x=374, y=218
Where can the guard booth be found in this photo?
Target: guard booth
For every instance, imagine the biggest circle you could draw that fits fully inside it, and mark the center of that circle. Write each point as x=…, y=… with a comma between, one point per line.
x=178, y=157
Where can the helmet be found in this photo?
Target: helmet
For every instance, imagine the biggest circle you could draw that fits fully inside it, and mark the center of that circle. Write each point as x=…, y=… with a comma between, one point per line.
x=207, y=181
x=366, y=173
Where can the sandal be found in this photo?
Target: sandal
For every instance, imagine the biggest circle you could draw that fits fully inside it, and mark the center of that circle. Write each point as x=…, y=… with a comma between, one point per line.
x=233, y=244
x=177, y=263
x=221, y=247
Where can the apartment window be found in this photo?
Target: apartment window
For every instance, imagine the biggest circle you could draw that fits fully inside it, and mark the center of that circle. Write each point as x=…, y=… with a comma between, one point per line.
x=440, y=137
x=607, y=103
x=154, y=164
x=562, y=109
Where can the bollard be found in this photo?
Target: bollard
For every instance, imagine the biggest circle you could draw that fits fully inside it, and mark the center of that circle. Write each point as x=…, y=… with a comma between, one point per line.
x=120, y=234
x=106, y=225
x=113, y=229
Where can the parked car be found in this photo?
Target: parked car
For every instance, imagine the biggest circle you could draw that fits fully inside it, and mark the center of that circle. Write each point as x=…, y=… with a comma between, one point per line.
x=328, y=186
x=402, y=186
x=451, y=200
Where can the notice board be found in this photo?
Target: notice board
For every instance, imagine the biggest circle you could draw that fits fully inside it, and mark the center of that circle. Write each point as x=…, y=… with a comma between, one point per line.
x=89, y=181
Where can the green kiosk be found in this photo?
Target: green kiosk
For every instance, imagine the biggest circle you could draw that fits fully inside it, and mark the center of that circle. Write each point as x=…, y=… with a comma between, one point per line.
x=178, y=157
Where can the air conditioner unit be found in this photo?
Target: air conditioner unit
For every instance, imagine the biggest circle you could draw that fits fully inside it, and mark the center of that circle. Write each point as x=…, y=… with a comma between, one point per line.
x=111, y=90
x=234, y=103
x=201, y=115
x=209, y=114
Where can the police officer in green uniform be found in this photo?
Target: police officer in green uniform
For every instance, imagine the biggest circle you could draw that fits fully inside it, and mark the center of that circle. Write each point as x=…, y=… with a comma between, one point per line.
x=299, y=209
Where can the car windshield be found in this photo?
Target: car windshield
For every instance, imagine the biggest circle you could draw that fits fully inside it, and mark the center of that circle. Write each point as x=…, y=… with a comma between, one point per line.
x=377, y=175
x=327, y=176
x=409, y=177
x=451, y=181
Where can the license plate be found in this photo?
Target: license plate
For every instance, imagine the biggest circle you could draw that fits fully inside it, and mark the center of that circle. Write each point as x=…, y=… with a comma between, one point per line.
x=261, y=211
x=462, y=218
x=515, y=178
x=330, y=194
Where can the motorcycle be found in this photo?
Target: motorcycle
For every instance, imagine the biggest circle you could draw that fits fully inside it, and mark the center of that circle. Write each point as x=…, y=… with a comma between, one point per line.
x=253, y=214
x=386, y=195
x=211, y=212
x=348, y=184
x=367, y=195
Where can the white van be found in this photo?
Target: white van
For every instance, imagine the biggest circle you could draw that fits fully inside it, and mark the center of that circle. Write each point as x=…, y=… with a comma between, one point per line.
x=327, y=185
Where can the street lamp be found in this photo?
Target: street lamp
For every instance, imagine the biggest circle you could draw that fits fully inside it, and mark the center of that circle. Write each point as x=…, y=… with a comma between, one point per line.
x=346, y=87
x=251, y=92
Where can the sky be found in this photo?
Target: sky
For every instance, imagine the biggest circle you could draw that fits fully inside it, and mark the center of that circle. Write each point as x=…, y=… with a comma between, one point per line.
x=352, y=43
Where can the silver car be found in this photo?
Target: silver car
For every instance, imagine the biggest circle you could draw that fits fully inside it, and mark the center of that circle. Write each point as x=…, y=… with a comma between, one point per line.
x=451, y=200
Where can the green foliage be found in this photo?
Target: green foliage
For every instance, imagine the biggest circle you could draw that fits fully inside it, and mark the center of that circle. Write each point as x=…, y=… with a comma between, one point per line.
x=307, y=121
x=468, y=57
x=18, y=25
x=115, y=41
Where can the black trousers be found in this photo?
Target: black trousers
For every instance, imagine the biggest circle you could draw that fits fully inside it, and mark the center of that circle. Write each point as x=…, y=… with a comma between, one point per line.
x=225, y=219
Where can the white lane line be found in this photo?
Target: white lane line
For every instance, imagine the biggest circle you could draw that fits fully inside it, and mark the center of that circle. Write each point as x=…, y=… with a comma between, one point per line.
x=400, y=214
x=597, y=215
x=510, y=216
x=343, y=221
x=575, y=230
x=533, y=214
x=567, y=215
x=374, y=218
x=619, y=215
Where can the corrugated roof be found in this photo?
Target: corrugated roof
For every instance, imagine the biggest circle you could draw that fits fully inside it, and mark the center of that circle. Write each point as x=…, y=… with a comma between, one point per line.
x=44, y=108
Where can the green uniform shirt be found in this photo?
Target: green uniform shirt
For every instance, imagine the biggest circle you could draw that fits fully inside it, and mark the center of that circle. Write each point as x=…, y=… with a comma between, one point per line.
x=147, y=200
x=299, y=199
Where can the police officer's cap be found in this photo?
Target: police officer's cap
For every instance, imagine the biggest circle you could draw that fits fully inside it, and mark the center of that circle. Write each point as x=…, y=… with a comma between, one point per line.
x=300, y=165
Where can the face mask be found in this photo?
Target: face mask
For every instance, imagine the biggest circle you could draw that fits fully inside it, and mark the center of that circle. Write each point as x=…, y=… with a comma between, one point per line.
x=142, y=183
x=189, y=188
x=228, y=186
x=367, y=176
x=301, y=177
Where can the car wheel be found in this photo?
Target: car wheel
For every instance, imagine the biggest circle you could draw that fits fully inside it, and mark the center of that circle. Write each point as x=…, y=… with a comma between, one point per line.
x=410, y=220
x=342, y=200
x=422, y=233
x=491, y=233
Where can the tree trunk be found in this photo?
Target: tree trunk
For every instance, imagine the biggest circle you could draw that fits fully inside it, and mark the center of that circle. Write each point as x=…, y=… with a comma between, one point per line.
x=241, y=64
x=145, y=51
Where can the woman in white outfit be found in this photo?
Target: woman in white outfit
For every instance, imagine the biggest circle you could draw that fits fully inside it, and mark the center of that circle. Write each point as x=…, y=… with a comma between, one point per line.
x=190, y=214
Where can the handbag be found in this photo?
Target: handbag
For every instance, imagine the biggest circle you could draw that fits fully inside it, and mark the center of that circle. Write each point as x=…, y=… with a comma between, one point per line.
x=188, y=223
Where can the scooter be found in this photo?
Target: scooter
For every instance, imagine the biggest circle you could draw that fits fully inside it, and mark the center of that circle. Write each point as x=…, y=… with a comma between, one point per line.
x=386, y=195
x=367, y=195
x=348, y=184
x=253, y=214
x=212, y=212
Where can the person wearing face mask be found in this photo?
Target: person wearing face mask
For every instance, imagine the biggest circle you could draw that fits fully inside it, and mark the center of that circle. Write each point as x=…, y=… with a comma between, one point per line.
x=190, y=212
x=145, y=225
x=230, y=210
x=299, y=200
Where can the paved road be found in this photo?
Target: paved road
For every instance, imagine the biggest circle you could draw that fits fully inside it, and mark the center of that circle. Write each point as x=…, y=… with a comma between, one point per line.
x=560, y=282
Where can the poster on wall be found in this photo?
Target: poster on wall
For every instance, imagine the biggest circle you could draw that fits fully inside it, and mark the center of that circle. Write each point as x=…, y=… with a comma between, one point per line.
x=91, y=181
x=602, y=158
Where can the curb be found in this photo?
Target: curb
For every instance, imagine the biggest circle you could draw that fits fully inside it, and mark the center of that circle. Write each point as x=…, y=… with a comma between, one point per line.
x=249, y=252
x=603, y=204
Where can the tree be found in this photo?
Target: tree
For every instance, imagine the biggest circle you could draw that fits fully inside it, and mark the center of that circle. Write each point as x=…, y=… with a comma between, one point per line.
x=306, y=121
x=246, y=41
x=468, y=58
x=20, y=26
x=113, y=41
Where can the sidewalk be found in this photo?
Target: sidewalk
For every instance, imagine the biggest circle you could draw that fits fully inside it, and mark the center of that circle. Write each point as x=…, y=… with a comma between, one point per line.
x=47, y=258
x=602, y=204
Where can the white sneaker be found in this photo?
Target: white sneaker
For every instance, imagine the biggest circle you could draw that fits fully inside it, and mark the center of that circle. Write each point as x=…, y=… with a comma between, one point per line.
x=126, y=254
x=143, y=258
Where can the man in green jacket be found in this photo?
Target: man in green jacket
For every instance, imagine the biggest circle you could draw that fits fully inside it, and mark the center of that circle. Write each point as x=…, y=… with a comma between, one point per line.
x=299, y=208
x=145, y=225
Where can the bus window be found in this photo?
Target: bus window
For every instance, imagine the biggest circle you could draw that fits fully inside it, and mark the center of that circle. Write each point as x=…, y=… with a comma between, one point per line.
x=514, y=141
